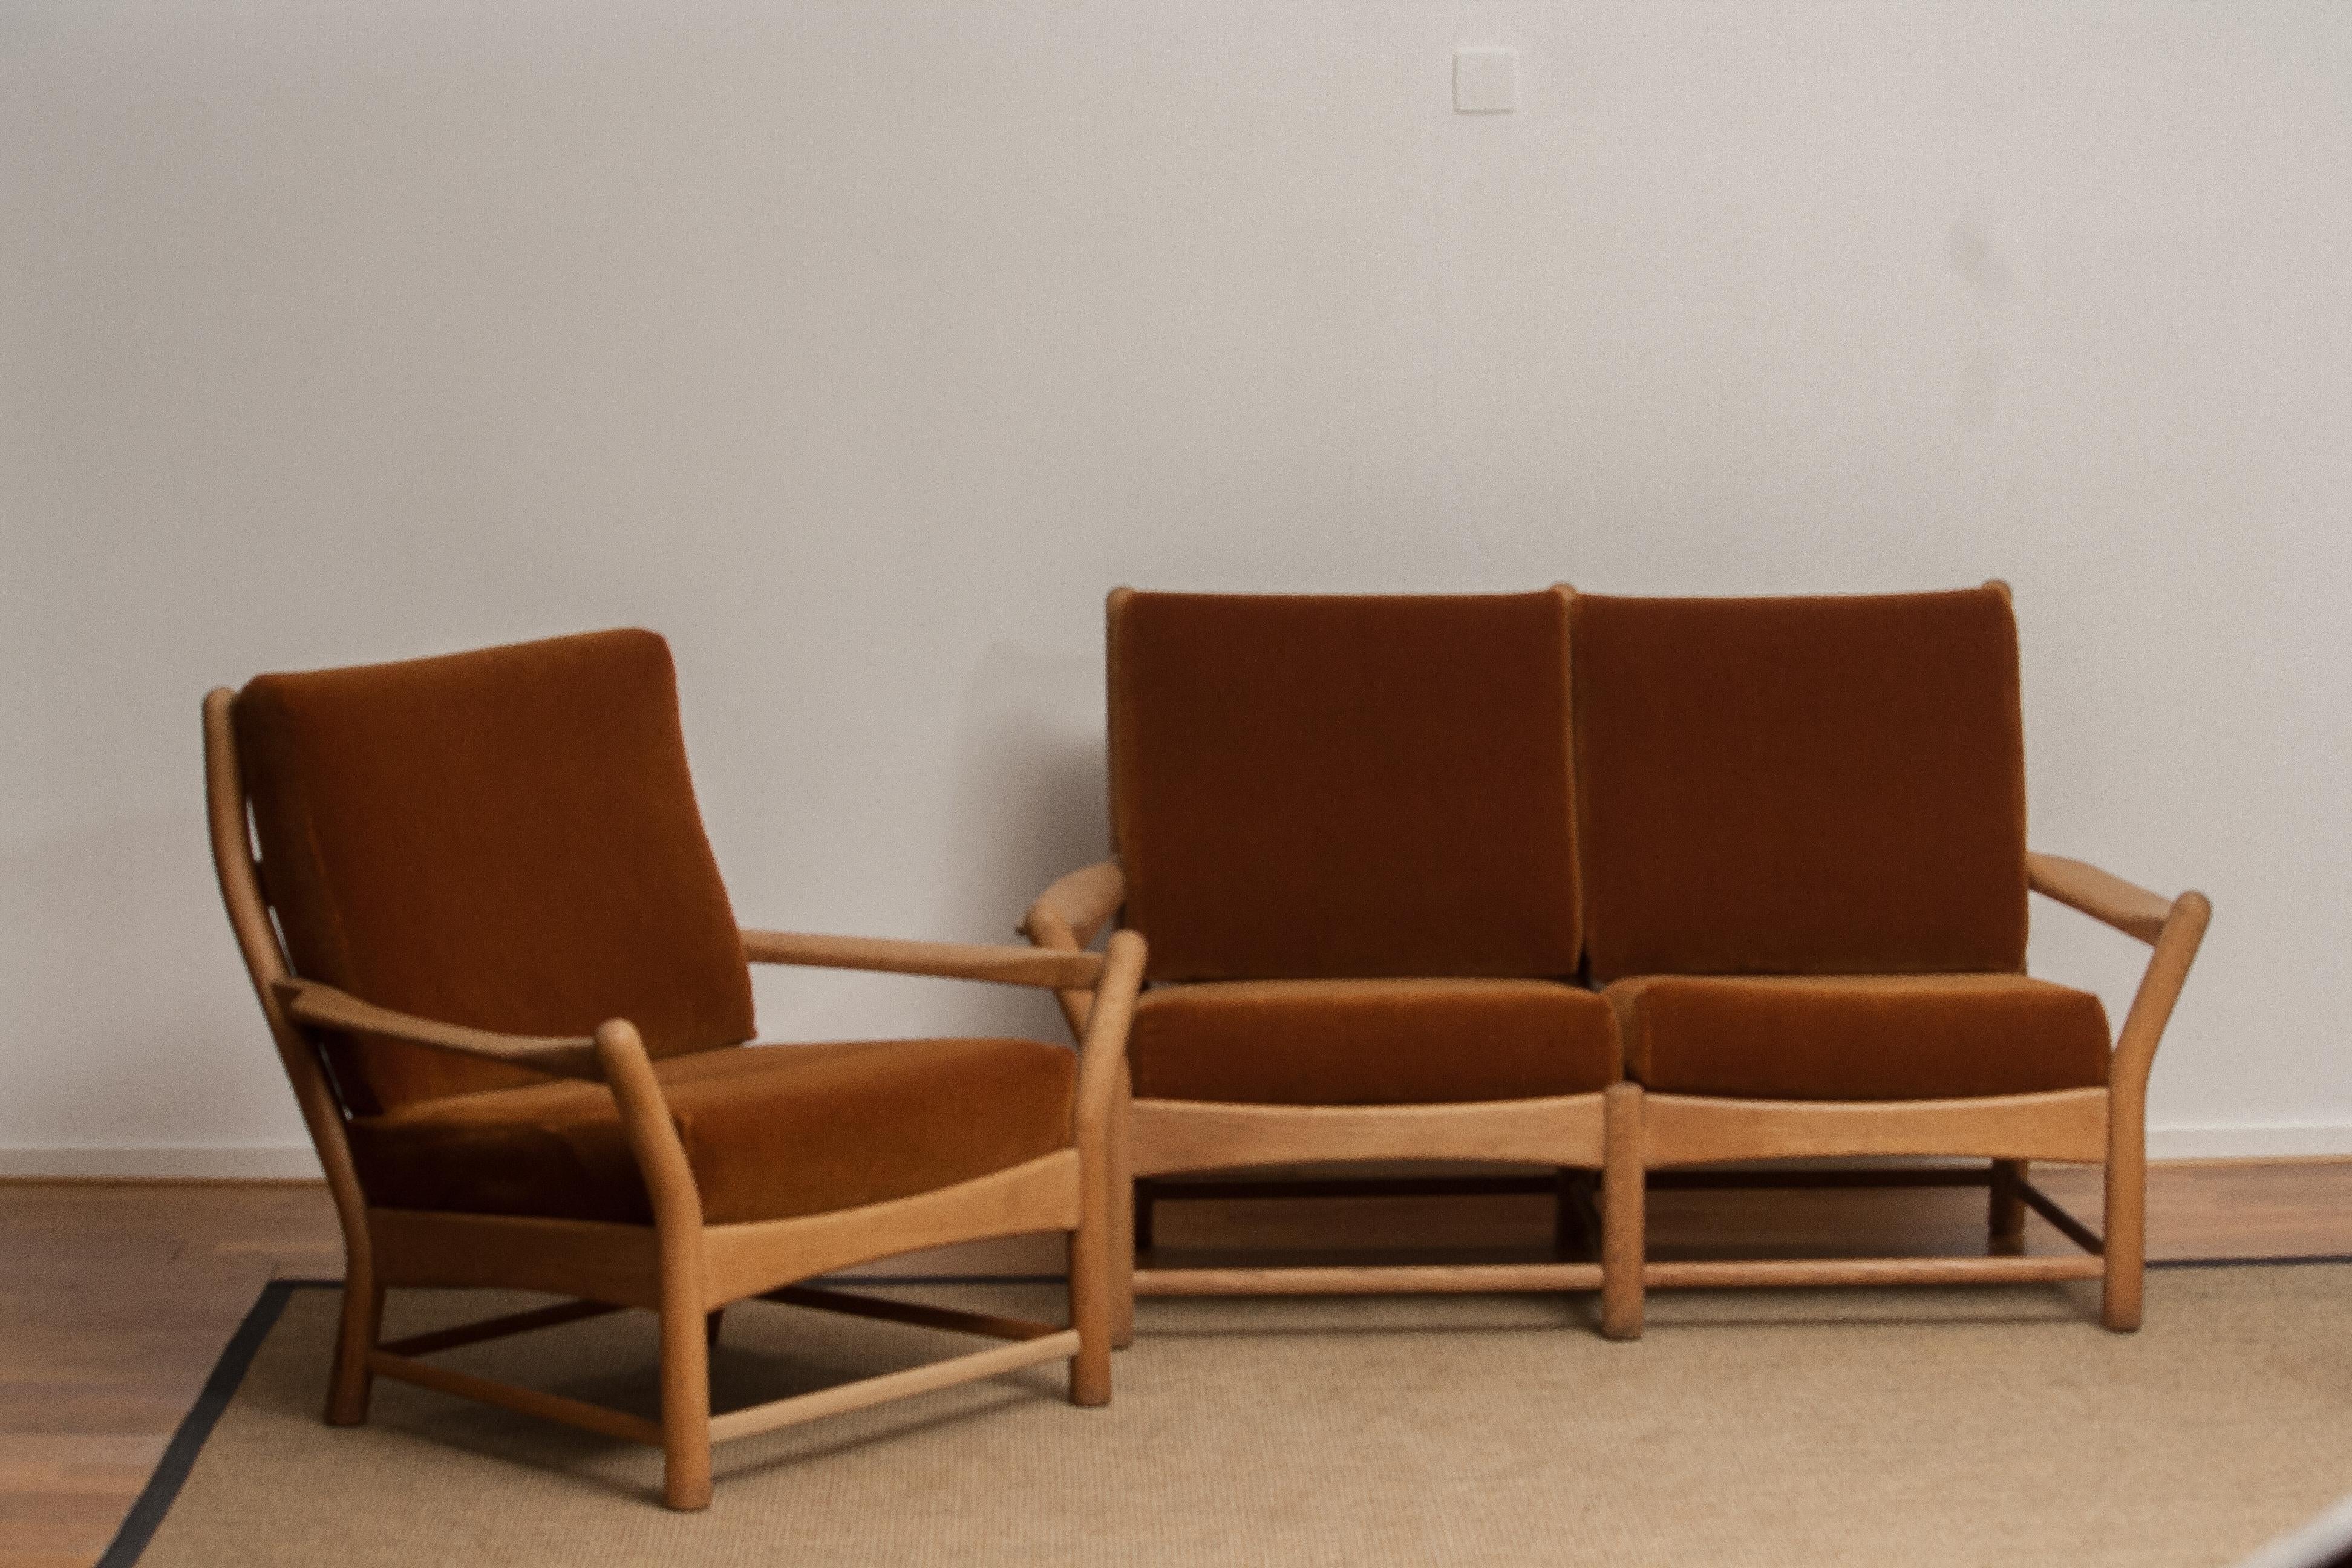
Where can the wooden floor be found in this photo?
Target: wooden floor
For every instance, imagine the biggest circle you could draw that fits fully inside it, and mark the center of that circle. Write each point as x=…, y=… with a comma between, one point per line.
x=115, y=1298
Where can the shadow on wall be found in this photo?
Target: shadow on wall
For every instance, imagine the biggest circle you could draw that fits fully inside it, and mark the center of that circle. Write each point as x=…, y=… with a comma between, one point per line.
x=1029, y=799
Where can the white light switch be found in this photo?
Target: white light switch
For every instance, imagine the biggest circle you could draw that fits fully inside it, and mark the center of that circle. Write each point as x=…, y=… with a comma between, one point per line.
x=1486, y=81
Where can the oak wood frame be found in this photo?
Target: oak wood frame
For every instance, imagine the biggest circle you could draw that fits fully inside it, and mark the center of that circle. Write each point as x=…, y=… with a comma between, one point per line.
x=2105, y=1125
x=678, y=1266
x=1153, y=1137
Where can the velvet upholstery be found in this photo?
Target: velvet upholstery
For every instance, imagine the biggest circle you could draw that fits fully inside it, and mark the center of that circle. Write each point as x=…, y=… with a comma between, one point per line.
x=1850, y=1038
x=1324, y=788
x=1370, y=1042
x=1804, y=785
x=506, y=839
x=770, y=1132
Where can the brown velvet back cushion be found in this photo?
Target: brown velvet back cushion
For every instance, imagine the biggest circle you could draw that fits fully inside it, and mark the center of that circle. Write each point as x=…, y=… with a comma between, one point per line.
x=1309, y=788
x=506, y=839
x=1805, y=786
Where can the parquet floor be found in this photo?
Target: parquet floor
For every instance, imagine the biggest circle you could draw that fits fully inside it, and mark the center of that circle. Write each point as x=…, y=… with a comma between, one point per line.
x=115, y=1298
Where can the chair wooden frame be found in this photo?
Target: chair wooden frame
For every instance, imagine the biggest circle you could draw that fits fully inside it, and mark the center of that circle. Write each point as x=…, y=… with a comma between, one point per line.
x=1154, y=1137
x=2104, y=1125
x=678, y=1266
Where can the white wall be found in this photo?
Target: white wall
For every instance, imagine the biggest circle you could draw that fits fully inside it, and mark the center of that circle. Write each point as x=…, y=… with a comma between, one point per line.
x=860, y=347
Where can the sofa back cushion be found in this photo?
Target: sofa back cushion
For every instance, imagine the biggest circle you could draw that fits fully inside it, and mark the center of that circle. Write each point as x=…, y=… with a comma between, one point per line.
x=1331, y=788
x=1804, y=785
x=506, y=839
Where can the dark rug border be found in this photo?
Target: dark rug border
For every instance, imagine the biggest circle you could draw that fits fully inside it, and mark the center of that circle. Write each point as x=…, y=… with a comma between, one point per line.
x=187, y=1444
x=180, y=1454
x=156, y=1498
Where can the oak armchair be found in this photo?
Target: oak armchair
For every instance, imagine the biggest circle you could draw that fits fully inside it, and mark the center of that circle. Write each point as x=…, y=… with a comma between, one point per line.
x=1346, y=826
x=502, y=976
x=1806, y=889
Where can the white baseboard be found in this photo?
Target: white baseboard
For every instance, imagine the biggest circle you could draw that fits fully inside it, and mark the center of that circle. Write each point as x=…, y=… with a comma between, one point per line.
x=2252, y=1141
x=210, y=1162
x=294, y=1162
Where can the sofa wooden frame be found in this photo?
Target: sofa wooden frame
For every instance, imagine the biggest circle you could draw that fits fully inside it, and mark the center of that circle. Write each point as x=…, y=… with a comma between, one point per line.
x=2104, y=1125
x=1152, y=1137
x=678, y=1266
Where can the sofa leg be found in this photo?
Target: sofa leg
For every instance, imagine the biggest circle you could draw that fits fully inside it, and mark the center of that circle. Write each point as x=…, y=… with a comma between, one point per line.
x=1122, y=1216
x=685, y=1400
x=2006, y=1221
x=2127, y=1235
x=1623, y=1201
x=1090, y=1303
x=362, y=1324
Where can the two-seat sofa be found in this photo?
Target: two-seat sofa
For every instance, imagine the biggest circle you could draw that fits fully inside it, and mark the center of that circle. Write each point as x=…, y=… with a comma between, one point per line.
x=1601, y=884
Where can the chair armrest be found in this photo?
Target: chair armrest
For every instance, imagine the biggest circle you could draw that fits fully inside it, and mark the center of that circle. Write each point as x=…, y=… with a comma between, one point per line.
x=324, y=1007
x=1051, y=970
x=1073, y=910
x=1102, y=1038
x=2175, y=928
x=2104, y=897
x=615, y=1057
x=1065, y=918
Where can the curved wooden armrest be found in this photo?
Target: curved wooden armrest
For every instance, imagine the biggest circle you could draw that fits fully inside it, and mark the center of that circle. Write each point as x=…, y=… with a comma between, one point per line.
x=1051, y=970
x=1076, y=907
x=1102, y=1035
x=615, y=1057
x=2101, y=895
x=1065, y=918
x=324, y=1007
x=2175, y=928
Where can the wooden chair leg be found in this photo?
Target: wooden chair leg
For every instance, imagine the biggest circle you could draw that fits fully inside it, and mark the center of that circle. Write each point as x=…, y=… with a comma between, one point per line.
x=2126, y=1234
x=1624, y=1199
x=1090, y=1303
x=2006, y=1221
x=363, y=1325
x=1122, y=1217
x=685, y=1400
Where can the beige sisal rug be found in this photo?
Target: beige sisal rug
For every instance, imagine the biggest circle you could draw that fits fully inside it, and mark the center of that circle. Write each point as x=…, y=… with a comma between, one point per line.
x=1877, y=1428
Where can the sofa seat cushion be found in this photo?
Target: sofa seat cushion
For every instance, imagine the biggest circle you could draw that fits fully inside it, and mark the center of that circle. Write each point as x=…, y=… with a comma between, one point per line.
x=771, y=1131
x=1370, y=1042
x=1866, y=1036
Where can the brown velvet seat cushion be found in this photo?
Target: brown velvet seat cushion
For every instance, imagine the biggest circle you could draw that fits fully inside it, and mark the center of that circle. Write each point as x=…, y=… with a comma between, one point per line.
x=771, y=1131
x=506, y=839
x=1308, y=787
x=1809, y=785
x=1876, y=1036
x=1370, y=1042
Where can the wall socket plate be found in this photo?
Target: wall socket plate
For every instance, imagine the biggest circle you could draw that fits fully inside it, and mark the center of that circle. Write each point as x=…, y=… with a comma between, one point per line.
x=1486, y=81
